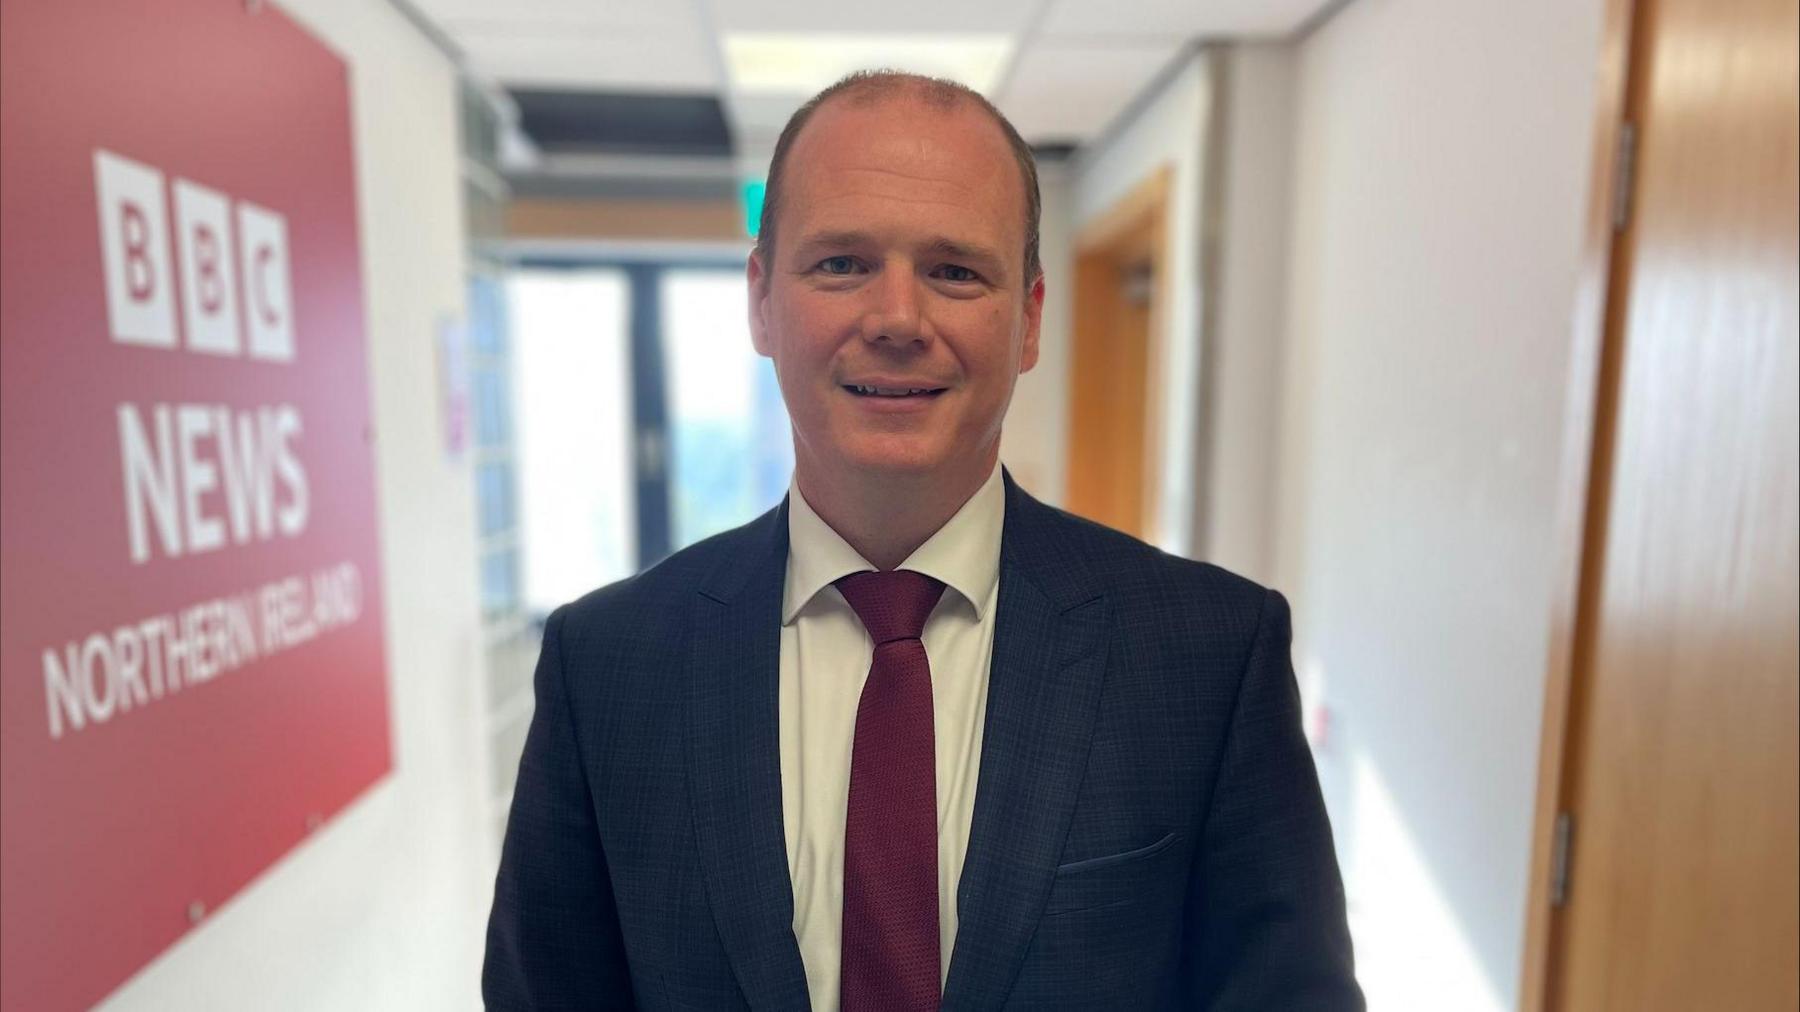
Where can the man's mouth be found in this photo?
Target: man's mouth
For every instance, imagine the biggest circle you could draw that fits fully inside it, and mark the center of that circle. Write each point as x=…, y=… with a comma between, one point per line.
x=874, y=391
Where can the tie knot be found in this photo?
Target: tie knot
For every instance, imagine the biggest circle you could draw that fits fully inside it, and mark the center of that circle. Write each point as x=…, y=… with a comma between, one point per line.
x=892, y=605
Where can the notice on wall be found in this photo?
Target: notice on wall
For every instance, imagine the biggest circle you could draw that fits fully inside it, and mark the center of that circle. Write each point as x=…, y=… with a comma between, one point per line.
x=192, y=666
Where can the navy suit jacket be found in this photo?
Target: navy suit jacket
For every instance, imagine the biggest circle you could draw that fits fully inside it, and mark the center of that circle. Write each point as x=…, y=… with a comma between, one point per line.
x=1148, y=830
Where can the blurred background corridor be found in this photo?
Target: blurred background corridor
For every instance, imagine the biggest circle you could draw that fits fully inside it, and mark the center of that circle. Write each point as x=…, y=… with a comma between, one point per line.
x=1471, y=326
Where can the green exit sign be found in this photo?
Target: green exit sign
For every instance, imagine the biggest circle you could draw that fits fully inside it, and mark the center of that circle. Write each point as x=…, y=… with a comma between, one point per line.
x=752, y=192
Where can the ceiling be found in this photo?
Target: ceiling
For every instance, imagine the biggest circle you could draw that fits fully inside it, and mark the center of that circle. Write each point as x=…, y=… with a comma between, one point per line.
x=1061, y=70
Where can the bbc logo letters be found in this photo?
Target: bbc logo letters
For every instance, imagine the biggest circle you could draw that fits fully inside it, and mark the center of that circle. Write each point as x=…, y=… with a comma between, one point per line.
x=223, y=260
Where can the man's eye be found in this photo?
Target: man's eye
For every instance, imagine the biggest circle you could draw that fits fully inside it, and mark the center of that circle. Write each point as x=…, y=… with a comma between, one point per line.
x=838, y=265
x=953, y=272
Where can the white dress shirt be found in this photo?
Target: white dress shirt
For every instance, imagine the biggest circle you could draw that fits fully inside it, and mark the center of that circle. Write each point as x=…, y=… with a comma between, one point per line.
x=825, y=658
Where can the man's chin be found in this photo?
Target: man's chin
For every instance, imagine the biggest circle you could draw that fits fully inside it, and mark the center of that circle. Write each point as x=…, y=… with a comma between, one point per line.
x=897, y=457
x=896, y=465
x=950, y=473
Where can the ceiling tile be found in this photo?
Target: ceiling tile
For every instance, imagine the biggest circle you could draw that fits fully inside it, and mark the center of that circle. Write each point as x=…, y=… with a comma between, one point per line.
x=601, y=61
x=659, y=16
x=1181, y=19
x=837, y=16
x=1061, y=90
x=804, y=63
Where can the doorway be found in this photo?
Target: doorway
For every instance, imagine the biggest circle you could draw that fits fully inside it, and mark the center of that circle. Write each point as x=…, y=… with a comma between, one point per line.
x=1668, y=854
x=1120, y=304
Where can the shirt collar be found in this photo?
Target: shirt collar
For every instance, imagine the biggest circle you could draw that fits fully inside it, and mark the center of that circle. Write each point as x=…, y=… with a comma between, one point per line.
x=964, y=554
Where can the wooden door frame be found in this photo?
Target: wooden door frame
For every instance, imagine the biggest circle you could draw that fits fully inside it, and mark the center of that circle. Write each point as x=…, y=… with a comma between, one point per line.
x=1588, y=420
x=1136, y=224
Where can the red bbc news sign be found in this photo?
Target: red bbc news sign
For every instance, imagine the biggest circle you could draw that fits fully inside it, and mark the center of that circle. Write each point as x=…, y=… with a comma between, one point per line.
x=192, y=668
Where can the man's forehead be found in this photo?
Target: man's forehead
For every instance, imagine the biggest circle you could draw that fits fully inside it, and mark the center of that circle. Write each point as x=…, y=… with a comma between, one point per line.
x=897, y=141
x=898, y=102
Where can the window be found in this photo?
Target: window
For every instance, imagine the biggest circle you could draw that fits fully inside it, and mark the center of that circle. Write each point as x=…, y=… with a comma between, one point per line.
x=644, y=419
x=576, y=468
x=730, y=446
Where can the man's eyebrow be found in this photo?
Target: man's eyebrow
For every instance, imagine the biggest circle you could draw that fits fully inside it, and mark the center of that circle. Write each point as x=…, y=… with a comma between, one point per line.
x=963, y=251
x=833, y=239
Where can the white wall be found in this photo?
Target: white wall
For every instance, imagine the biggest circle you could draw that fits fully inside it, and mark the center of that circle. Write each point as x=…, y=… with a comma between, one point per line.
x=384, y=907
x=1440, y=170
x=1034, y=444
x=1240, y=402
x=1169, y=128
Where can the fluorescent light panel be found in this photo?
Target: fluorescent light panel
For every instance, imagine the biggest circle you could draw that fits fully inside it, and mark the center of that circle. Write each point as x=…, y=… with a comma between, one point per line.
x=802, y=63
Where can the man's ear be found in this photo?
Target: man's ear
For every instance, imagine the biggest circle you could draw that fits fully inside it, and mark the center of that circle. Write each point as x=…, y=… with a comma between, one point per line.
x=759, y=295
x=1034, y=319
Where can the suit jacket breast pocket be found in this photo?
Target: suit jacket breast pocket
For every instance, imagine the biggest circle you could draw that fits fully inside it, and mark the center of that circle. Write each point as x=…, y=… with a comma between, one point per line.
x=1114, y=879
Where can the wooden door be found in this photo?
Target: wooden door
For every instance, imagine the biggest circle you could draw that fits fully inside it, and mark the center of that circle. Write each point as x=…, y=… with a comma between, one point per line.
x=1119, y=294
x=1683, y=770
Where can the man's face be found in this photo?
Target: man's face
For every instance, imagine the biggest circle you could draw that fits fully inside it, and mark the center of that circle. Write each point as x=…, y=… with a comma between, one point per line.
x=898, y=267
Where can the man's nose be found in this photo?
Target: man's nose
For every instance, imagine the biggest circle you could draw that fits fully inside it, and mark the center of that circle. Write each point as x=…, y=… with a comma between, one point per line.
x=894, y=316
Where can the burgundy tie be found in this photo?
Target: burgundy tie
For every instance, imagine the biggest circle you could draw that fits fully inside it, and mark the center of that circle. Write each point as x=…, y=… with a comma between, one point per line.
x=890, y=949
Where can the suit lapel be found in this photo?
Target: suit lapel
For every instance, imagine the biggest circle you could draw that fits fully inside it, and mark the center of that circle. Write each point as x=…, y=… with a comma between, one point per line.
x=734, y=765
x=1043, y=691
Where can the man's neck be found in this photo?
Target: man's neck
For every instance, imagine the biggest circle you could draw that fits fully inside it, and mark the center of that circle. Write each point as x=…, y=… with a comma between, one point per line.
x=886, y=518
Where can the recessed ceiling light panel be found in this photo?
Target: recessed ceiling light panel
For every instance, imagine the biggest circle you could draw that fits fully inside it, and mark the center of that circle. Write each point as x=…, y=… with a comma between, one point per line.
x=802, y=63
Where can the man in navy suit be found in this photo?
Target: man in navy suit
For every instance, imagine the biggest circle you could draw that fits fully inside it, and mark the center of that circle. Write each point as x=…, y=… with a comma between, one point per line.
x=912, y=739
